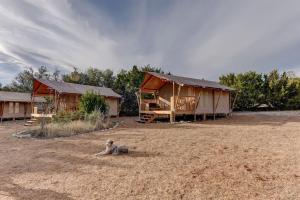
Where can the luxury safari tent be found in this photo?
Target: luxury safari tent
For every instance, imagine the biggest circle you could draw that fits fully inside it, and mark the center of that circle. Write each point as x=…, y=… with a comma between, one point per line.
x=66, y=96
x=174, y=95
x=16, y=105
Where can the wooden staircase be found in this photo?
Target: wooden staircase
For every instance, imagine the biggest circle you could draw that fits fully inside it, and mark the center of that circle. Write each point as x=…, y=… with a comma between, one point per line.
x=31, y=122
x=147, y=118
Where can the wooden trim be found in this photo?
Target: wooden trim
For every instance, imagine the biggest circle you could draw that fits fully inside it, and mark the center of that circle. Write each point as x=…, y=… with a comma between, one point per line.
x=165, y=83
x=198, y=100
x=34, y=90
x=178, y=93
x=158, y=112
x=196, y=105
x=234, y=101
x=144, y=82
x=218, y=100
x=164, y=100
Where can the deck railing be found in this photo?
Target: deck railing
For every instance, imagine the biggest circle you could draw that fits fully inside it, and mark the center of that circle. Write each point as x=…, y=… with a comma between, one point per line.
x=185, y=103
x=181, y=103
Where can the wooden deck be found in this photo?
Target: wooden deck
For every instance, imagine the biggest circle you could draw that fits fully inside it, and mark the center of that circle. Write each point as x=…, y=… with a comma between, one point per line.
x=157, y=112
x=36, y=115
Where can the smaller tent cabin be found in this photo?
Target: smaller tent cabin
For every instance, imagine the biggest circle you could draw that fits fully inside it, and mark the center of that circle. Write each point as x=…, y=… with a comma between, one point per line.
x=66, y=96
x=16, y=105
x=176, y=95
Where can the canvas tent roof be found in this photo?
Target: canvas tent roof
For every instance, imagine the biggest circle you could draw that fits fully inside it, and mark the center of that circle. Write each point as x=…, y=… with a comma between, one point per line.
x=72, y=88
x=18, y=97
x=180, y=80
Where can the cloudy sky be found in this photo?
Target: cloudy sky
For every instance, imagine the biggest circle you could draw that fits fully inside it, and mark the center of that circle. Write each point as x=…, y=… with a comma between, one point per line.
x=201, y=39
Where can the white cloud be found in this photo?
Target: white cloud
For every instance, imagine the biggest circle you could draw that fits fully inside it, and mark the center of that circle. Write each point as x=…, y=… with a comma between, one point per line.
x=191, y=38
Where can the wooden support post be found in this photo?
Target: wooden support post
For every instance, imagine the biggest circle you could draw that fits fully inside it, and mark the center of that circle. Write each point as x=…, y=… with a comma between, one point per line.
x=218, y=100
x=234, y=101
x=178, y=93
x=2, y=110
x=140, y=104
x=214, y=104
x=31, y=103
x=229, y=102
x=196, y=105
x=14, y=111
x=25, y=105
x=215, y=107
x=172, y=115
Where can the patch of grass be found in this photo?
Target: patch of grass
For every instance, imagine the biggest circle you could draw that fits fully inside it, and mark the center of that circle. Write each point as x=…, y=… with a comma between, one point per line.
x=91, y=122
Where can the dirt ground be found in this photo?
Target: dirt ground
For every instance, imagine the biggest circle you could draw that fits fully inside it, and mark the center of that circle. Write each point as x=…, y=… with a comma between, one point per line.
x=247, y=156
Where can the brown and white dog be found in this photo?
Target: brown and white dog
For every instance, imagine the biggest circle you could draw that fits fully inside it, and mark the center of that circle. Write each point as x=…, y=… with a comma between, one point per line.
x=110, y=148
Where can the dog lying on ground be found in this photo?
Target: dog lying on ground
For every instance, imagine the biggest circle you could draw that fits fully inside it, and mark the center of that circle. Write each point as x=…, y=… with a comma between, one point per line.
x=110, y=148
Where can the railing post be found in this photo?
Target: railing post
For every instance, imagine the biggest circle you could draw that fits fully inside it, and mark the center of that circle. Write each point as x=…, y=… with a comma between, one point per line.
x=172, y=114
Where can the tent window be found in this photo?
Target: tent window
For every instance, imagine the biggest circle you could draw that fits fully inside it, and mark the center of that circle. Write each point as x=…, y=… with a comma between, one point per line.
x=11, y=108
x=17, y=108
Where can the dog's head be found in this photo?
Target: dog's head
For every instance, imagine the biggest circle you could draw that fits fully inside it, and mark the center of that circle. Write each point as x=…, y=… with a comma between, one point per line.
x=109, y=143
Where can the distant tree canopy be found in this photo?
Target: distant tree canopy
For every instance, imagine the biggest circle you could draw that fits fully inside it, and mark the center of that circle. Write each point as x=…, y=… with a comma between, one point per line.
x=92, y=76
x=24, y=80
x=277, y=91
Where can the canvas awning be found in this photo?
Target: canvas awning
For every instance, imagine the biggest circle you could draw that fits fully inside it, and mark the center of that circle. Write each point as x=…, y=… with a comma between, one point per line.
x=154, y=81
x=42, y=87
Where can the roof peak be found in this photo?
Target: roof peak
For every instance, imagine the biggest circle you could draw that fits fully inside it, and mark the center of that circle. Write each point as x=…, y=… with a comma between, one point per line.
x=62, y=81
x=181, y=80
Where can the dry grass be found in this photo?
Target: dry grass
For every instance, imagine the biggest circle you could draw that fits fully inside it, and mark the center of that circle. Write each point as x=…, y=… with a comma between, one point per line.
x=66, y=129
x=244, y=157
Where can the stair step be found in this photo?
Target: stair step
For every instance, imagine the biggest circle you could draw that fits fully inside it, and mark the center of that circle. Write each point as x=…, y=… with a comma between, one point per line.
x=146, y=118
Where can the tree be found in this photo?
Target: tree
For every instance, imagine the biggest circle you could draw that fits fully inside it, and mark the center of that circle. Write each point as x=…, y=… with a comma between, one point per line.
x=56, y=74
x=108, y=78
x=92, y=76
x=276, y=90
x=23, y=81
x=42, y=73
x=127, y=84
x=280, y=89
x=91, y=101
x=229, y=79
x=75, y=77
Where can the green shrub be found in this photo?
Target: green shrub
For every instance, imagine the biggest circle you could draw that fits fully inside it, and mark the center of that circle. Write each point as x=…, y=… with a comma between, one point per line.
x=90, y=102
x=64, y=116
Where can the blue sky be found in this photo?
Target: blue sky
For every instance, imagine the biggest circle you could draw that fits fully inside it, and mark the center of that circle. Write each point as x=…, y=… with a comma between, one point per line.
x=201, y=39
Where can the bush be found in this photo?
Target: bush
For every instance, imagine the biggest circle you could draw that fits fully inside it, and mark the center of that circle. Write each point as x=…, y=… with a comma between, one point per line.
x=64, y=116
x=90, y=102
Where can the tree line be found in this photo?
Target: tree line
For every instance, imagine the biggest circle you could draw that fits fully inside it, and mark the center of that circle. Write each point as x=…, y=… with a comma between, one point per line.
x=269, y=91
x=125, y=83
x=273, y=91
